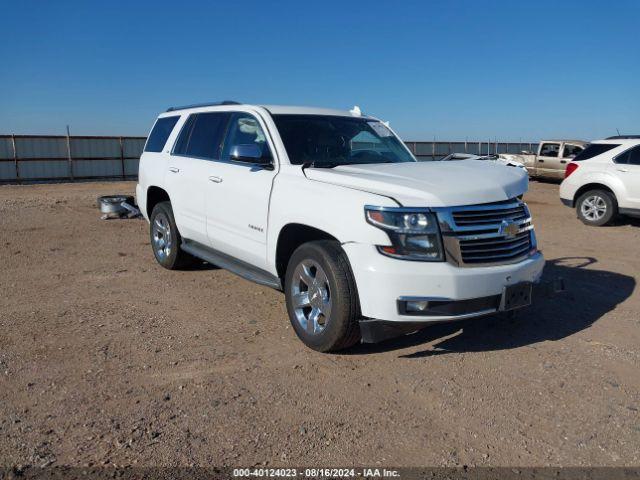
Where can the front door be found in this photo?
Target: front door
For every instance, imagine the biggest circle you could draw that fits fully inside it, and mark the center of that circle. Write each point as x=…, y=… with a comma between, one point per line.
x=239, y=193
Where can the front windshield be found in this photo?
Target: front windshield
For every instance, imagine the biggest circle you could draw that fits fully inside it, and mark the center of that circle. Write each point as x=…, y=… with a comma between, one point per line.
x=332, y=140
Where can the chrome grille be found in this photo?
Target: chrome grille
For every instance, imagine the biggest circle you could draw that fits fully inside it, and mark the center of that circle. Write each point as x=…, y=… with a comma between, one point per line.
x=487, y=234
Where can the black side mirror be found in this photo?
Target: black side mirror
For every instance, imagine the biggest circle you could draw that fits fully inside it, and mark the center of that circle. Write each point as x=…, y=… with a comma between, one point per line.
x=250, y=153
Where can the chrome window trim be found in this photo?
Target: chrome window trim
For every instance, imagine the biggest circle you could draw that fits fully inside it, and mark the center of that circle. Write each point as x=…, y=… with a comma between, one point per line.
x=222, y=142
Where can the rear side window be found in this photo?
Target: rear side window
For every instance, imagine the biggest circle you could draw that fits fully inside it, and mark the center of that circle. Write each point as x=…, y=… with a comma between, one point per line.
x=202, y=134
x=180, y=147
x=160, y=133
x=550, y=150
x=631, y=156
x=571, y=151
x=594, y=150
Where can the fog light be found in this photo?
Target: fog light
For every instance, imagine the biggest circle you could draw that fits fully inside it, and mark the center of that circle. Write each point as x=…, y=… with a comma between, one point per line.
x=416, y=306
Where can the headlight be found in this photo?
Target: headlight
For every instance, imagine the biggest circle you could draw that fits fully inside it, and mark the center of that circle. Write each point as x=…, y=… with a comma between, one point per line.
x=414, y=233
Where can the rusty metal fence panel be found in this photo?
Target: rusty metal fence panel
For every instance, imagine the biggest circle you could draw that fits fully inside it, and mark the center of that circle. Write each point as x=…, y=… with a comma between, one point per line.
x=47, y=158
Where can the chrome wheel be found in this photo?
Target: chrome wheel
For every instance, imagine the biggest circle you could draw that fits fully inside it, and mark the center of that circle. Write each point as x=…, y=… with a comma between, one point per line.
x=593, y=208
x=161, y=236
x=311, y=296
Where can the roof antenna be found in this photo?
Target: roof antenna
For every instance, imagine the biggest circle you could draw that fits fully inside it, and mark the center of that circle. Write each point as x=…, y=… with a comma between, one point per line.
x=618, y=132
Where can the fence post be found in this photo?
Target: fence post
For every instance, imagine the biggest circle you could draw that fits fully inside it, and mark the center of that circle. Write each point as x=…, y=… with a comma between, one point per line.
x=15, y=157
x=69, y=154
x=122, y=158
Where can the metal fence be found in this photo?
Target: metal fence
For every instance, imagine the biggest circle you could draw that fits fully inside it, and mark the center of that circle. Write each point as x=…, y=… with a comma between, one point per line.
x=437, y=150
x=50, y=158
x=45, y=158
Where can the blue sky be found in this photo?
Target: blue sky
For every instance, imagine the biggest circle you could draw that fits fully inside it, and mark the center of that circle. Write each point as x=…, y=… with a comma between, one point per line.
x=451, y=70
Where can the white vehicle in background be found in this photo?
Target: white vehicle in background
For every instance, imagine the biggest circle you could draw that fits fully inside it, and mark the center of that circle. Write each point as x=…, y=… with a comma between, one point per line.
x=551, y=159
x=604, y=180
x=332, y=208
x=496, y=159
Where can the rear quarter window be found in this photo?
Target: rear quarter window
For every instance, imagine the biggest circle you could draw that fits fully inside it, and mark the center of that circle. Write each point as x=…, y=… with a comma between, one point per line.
x=160, y=133
x=593, y=150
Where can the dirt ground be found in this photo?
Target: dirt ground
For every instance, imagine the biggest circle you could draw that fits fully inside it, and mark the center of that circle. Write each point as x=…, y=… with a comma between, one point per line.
x=106, y=358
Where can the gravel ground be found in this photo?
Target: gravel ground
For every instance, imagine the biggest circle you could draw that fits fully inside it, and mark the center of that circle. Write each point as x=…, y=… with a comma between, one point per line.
x=106, y=358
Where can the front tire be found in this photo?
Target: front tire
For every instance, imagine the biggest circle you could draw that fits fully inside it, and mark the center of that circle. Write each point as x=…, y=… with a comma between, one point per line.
x=165, y=238
x=321, y=296
x=597, y=208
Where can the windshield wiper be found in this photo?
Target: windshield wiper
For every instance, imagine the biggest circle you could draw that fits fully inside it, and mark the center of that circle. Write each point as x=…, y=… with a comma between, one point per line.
x=316, y=164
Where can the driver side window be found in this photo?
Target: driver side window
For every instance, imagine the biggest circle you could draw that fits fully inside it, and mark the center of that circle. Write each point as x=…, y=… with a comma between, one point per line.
x=244, y=130
x=549, y=149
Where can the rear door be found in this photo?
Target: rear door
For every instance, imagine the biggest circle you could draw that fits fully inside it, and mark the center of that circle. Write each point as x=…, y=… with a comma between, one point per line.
x=197, y=146
x=548, y=159
x=239, y=192
x=569, y=152
x=627, y=169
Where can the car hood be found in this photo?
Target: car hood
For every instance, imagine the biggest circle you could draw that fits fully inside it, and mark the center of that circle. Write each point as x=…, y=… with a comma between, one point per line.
x=430, y=184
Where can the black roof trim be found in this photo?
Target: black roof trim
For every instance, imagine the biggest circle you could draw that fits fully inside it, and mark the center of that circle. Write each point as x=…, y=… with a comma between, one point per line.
x=623, y=137
x=206, y=104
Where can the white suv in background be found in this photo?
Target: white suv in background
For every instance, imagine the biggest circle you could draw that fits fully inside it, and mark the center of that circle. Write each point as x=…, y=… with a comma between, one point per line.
x=332, y=208
x=604, y=180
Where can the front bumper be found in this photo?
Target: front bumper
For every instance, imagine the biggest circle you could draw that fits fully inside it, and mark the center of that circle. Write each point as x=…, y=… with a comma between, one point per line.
x=383, y=281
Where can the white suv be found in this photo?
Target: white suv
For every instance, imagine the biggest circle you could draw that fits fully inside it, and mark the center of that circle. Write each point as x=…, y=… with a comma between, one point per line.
x=332, y=208
x=604, y=180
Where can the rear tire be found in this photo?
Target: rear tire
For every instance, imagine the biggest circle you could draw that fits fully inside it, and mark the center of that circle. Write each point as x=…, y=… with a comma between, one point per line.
x=165, y=238
x=321, y=295
x=597, y=208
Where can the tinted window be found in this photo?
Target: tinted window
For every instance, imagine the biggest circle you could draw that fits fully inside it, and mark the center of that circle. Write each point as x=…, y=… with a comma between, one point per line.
x=244, y=129
x=570, y=151
x=631, y=156
x=634, y=156
x=593, y=150
x=159, y=134
x=550, y=150
x=204, y=137
x=180, y=147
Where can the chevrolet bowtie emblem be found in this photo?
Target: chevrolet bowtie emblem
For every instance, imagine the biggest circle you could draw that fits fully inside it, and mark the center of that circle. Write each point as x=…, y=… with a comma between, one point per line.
x=509, y=228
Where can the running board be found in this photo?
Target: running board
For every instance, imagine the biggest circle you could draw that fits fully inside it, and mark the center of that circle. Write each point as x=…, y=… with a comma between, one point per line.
x=222, y=260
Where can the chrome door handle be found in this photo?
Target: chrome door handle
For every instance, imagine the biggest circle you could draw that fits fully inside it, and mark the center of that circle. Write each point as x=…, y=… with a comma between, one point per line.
x=174, y=169
x=215, y=179
x=622, y=169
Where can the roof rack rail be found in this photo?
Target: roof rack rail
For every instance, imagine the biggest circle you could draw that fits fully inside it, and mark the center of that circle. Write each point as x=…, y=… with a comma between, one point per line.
x=623, y=137
x=206, y=104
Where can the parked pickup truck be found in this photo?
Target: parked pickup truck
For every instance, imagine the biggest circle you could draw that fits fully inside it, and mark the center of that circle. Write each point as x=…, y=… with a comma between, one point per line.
x=330, y=207
x=551, y=160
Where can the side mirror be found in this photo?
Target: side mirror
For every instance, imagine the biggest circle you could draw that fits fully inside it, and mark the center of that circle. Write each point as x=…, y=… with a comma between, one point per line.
x=249, y=153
